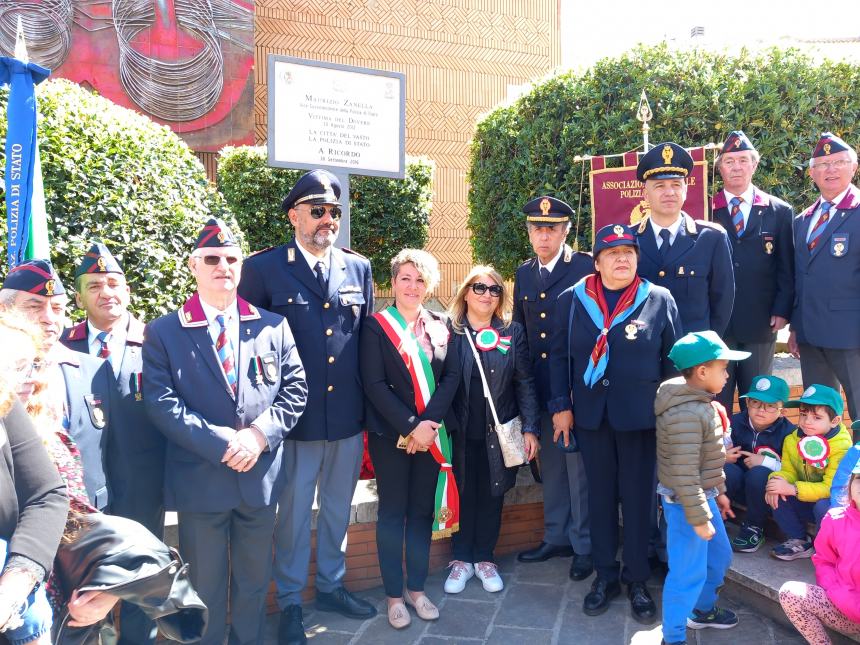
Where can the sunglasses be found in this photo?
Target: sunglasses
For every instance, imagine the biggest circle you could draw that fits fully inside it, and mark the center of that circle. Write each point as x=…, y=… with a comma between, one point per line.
x=318, y=211
x=215, y=260
x=479, y=288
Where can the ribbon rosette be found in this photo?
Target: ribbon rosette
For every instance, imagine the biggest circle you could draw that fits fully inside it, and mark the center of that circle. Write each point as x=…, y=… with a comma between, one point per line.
x=815, y=450
x=487, y=339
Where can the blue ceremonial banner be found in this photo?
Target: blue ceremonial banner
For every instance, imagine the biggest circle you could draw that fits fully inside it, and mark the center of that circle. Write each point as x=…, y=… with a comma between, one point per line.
x=21, y=150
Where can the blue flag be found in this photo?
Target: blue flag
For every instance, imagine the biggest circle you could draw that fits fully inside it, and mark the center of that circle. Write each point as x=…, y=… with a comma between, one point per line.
x=20, y=150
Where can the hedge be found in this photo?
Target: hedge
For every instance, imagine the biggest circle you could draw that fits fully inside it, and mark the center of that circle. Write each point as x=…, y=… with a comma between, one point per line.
x=780, y=98
x=387, y=215
x=113, y=175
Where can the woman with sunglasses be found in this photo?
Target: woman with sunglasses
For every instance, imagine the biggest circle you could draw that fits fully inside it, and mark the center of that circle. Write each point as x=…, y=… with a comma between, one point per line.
x=482, y=309
x=410, y=373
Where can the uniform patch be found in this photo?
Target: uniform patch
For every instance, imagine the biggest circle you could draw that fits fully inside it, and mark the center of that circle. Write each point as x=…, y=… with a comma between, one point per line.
x=839, y=245
x=767, y=242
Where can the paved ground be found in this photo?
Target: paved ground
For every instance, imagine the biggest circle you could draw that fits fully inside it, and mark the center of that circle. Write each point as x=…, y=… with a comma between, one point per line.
x=540, y=605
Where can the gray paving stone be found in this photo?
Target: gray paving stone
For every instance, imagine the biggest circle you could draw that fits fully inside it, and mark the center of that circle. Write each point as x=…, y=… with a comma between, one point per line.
x=531, y=605
x=329, y=638
x=379, y=632
x=553, y=571
x=607, y=629
x=329, y=621
x=519, y=636
x=463, y=618
x=446, y=640
x=751, y=628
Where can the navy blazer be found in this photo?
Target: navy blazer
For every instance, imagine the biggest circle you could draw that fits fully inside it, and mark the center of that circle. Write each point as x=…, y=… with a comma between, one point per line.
x=827, y=280
x=534, y=307
x=326, y=328
x=698, y=272
x=187, y=396
x=763, y=259
x=638, y=363
x=388, y=386
x=90, y=388
x=136, y=450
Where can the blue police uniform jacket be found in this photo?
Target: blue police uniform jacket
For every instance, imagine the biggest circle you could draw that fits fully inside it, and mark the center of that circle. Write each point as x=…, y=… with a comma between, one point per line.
x=827, y=279
x=763, y=259
x=744, y=435
x=90, y=388
x=188, y=398
x=534, y=307
x=638, y=362
x=698, y=272
x=326, y=327
x=136, y=449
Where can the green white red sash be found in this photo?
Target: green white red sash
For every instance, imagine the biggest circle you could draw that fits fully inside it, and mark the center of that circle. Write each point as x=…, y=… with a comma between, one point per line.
x=446, y=516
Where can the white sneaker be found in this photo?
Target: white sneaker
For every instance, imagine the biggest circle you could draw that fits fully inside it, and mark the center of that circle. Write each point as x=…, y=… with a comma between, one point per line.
x=459, y=576
x=489, y=576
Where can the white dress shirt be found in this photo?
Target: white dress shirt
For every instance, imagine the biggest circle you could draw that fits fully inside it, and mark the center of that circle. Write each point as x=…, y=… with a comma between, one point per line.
x=549, y=266
x=672, y=228
x=746, y=205
x=817, y=214
x=312, y=259
x=231, y=322
x=115, y=342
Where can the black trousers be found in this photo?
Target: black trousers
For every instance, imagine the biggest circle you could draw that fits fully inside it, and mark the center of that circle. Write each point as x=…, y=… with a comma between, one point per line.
x=480, y=510
x=406, y=485
x=620, y=466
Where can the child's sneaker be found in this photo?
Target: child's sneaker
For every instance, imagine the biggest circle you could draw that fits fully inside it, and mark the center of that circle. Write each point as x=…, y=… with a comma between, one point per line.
x=749, y=539
x=717, y=618
x=792, y=549
x=459, y=576
x=489, y=576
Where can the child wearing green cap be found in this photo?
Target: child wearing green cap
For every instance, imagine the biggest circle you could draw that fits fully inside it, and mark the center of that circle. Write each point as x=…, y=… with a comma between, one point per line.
x=690, y=457
x=756, y=451
x=799, y=492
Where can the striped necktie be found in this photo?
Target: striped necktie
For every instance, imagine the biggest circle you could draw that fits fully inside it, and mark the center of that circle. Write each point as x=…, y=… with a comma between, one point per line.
x=737, y=216
x=225, y=354
x=104, y=350
x=818, y=229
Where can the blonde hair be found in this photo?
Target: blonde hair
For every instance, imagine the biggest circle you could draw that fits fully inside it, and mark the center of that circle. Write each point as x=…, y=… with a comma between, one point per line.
x=15, y=331
x=458, y=307
x=424, y=263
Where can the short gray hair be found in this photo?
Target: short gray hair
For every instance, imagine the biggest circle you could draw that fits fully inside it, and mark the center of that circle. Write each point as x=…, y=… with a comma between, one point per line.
x=531, y=225
x=423, y=262
x=8, y=297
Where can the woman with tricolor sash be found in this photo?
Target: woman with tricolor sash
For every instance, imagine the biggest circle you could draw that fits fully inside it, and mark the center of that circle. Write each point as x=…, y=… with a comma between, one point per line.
x=410, y=373
x=605, y=366
x=482, y=309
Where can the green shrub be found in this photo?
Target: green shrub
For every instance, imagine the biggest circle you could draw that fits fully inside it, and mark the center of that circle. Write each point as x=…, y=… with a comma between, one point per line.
x=780, y=98
x=111, y=174
x=387, y=215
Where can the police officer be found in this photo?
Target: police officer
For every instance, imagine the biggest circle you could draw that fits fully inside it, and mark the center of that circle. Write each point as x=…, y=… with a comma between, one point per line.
x=609, y=354
x=825, y=323
x=691, y=258
x=760, y=234
x=325, y=294
x=537, y=285
x=136, y=455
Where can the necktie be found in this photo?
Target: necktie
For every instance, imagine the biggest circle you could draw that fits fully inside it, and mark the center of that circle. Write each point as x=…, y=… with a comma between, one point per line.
x=737, y=216
x=666, y=245
x=225, y=354
x=321, y=277
x=818, y=229
x=544, y=275
x=104, y=350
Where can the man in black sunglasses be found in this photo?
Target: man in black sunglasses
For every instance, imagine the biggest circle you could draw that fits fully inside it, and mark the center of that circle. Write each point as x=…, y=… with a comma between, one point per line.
x=537, y=285
x=325, y=293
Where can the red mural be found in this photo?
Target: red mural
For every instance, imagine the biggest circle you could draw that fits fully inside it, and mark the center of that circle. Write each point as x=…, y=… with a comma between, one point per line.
x=184, y=63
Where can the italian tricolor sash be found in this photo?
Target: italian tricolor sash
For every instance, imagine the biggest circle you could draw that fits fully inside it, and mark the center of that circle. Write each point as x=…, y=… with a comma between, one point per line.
x=446, y=517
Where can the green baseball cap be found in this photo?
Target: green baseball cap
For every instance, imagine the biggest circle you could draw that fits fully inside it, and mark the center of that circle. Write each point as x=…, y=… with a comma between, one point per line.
x=817, y=394
x=700, y=347
x=770, y=389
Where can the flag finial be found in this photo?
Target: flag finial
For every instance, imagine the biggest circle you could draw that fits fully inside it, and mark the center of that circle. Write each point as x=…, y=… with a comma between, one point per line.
x=21, y=44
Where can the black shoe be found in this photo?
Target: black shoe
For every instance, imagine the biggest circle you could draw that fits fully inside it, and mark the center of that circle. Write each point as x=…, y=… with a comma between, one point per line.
x=597, y=600
x=643, y=607
x=291, y=629
x=544, y=552
x=345, y=604
x=581, y=567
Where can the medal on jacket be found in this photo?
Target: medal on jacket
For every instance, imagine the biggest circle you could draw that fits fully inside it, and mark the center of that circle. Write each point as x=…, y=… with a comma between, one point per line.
x=257, y=365
x=814, y=450
x=488, y=339
x=137, y=386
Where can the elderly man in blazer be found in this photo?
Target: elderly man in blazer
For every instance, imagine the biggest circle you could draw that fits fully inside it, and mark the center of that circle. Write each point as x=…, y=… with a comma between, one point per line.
x=224, y=383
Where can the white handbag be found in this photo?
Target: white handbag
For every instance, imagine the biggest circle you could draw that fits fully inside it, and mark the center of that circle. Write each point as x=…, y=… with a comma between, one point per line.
x=510, y=434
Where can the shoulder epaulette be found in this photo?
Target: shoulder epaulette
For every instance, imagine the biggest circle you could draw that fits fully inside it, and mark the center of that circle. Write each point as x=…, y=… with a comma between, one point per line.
x=260, y=251
x=351, y=252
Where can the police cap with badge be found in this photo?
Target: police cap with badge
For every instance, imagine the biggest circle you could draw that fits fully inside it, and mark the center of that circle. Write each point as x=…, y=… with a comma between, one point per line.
x=665, y=161
x=829, y=144
x=215, y=234
x=611, y=236
x=98, y=260
x=315, y=187
x=35, y=276
x=547, y=211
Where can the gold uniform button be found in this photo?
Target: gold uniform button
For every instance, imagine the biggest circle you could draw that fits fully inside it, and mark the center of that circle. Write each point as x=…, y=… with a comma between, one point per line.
x=326, y=305
x=328, y=332
x=289, y=299
x=543, y=314
x=662, y=274
x=331, y=388
x=543, y=334
x=543, y=295
x=331, y=359
x=543, y=355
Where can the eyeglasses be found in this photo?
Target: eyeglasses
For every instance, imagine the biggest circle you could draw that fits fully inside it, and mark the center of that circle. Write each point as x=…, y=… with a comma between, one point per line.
x=215, y=260
x=26, y=371
x=318, y=211
x=755, y=404
x=479, y=288
x=729, y=163
x=836, y=165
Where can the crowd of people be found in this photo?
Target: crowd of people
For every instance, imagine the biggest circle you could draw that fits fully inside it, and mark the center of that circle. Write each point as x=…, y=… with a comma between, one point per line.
x=612, y=369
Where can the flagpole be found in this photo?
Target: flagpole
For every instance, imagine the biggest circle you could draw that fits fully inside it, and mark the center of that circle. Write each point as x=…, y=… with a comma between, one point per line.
x=644, y=114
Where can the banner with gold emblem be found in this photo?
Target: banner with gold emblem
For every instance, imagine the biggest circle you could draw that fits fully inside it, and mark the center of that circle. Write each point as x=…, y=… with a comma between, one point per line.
x=617, y=196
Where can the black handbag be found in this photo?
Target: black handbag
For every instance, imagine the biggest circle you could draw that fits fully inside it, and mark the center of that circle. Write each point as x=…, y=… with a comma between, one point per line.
x=120, y=556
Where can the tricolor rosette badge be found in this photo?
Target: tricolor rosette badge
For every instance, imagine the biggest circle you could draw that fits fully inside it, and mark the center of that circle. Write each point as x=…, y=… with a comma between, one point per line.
x=767, y=451
x=814, y=450
x=488, y=339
